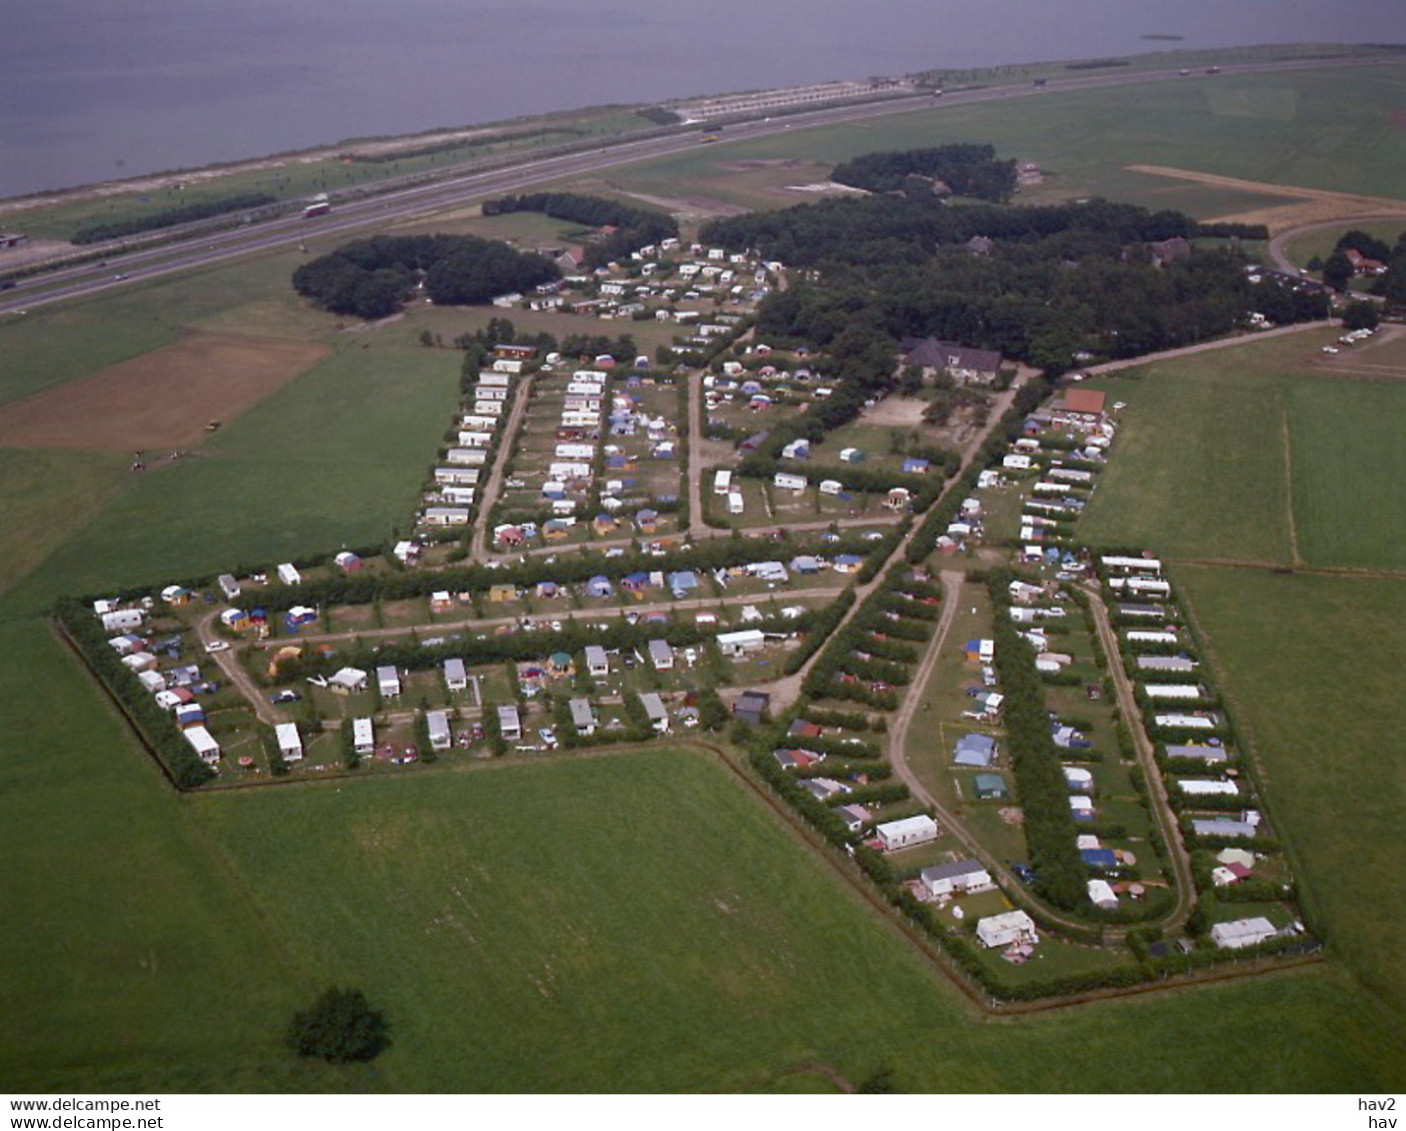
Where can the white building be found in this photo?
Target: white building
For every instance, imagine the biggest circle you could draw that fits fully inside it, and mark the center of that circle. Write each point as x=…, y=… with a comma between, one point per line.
x=290, y=744
x=438, y=725
x=363, y=737
x=907, y=832
x=1003, y=930
x=741, y=642
x=509, y=723
x=654, y=708
x=1240, y=933
x=959, y=876
x=204, y=744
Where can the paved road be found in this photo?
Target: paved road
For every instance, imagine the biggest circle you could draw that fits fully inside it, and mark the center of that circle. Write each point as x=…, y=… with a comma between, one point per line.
x=423, y=200
x=1206, y=347
x=1278, y=246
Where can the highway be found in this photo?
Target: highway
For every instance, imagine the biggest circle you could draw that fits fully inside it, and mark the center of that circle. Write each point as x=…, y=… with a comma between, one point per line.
x=455, y=190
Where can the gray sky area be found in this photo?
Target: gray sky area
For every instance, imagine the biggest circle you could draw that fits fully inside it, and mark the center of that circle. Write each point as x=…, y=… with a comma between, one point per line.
x=93, y=89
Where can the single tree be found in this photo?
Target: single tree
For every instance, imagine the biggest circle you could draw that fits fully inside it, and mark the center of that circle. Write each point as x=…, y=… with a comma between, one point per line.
x=340, y=1027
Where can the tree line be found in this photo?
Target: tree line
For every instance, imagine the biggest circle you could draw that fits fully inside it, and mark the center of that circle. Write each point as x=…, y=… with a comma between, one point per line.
x=172, y=217
x=373, y=278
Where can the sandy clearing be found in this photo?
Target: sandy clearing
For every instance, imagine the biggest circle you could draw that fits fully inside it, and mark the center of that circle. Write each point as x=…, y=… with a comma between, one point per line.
x=896, y=412
x=160, y=400
x=1309, y=205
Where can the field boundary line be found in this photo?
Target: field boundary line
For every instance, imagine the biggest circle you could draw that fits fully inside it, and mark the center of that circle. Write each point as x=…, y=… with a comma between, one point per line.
x=1295, y=558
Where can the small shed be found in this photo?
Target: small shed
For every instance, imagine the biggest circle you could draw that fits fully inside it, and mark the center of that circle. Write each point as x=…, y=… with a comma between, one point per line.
x=661, y=655
x=388, y=680
x=989, y=787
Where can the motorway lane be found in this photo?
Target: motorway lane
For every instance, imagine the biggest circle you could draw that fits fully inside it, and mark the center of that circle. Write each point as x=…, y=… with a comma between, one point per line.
x=408, y=203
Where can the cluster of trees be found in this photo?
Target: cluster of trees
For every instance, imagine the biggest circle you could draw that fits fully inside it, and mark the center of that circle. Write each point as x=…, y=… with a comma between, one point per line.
x=171, y=217
x=1338, y=270
x=1059, y=280
x=634, y=227
x=372, y=278
x=966, y=169
x=156, y=727
x=1060, y=874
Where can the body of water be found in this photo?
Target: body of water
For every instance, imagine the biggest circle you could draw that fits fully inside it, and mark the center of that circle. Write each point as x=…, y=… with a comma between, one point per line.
x=93, y=90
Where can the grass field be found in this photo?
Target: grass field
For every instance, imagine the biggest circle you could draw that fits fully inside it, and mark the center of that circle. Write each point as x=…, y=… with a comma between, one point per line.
x=44, y=496
x=335, y=458
x=1218, y=448
x=1327, y=129
x=55, y=344
x=125, y=937
x=1199, y=469
x=1348, y=467
x=1313, y=665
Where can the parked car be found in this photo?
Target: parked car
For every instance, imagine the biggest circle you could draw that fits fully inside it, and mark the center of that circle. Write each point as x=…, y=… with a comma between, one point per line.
x=285, y=697
x=217, y=646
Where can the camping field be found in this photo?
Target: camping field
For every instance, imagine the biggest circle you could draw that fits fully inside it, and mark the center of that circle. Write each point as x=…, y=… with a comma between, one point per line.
x=1313, y=666
x=644, y=921
x=528, y=926
x=500, y=912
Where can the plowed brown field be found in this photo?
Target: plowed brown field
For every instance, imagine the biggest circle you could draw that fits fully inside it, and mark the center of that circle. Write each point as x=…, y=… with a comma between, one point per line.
x=159, y=400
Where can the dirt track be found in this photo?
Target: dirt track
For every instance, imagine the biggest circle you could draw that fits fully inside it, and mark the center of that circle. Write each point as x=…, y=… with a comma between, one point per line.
x=160, y=400
x=1309, y=206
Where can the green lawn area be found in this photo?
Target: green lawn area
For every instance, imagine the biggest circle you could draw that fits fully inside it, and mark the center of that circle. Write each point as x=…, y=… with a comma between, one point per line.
x=1313, y=665
x=45, y=496
x=129, y=960
x=335, y=458
x=1214, y=446
x=1348, y=468
x=1328, y=129
x=1198, y=468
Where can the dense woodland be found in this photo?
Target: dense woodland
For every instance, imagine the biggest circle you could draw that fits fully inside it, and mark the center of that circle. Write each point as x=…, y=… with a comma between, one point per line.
x=967, y=170
x=1055, y=283
x=633, y=228
x=372, y=278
